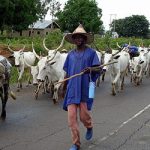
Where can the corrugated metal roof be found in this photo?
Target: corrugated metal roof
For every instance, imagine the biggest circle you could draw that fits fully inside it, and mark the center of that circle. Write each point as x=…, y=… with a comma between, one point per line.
x=42, y=24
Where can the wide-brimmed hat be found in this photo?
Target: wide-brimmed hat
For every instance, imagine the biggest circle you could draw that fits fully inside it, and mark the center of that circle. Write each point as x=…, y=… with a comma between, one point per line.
x=79, y=30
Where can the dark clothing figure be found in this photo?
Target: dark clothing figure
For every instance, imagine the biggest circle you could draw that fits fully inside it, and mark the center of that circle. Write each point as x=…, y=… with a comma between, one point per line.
x=76, y=97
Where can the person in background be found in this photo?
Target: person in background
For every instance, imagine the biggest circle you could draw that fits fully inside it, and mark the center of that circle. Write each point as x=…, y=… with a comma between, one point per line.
x=77, y=89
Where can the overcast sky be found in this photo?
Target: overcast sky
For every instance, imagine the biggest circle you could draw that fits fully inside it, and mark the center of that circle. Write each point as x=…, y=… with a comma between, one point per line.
x=112, y=9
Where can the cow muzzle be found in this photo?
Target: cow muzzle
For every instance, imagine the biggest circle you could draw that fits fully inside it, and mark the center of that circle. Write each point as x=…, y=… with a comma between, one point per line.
x=40, y=80
x=16, y=65
x=104, y=70
x=35, y=84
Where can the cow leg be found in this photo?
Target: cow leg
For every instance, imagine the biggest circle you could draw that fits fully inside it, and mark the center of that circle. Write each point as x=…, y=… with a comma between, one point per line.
x=36, y=92
x=103, y=76
x=122, y=82
x=19, y=86
x=98, y=82
x=117, y=86
x=55, y=96
x=4, y=98
x=29, y=78
x=19, y=80
x=113, y=89
x=51, y=88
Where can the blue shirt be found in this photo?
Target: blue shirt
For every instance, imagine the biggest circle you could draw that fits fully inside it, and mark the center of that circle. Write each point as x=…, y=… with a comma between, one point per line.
x=133, y=49
x=78, y=87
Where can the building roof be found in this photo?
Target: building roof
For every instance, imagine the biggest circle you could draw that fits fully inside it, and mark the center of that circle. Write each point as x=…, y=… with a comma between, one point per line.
x=42, y=24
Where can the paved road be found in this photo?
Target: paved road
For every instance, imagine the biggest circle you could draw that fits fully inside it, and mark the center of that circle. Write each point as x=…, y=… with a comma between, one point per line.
x=120, y=122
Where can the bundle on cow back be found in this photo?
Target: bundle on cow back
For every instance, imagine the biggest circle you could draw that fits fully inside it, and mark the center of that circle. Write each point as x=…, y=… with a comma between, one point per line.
x=4, y=83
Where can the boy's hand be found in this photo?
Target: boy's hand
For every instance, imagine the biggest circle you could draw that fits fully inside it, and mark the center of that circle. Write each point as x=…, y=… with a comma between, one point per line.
x=87, y=70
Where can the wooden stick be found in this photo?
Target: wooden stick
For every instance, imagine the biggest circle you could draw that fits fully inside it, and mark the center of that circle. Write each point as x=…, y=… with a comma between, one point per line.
x=81, y=73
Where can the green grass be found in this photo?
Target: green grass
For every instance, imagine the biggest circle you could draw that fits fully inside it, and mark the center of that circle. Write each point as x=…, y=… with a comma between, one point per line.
x=15, y=75
x=53, y=40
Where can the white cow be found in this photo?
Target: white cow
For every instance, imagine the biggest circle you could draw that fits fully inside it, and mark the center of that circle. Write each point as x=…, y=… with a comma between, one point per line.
x=45, y=71
x=20, y=58
x=105, y=56
x=139, y=67
x=117, y=70
x=54, y=70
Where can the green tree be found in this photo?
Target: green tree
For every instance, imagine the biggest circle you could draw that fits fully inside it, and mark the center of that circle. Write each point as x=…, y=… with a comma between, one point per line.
x=54, y=7
x=85, y=12
x=135, y=25
x=19, y=14
x=26, y=12
x=6, y=13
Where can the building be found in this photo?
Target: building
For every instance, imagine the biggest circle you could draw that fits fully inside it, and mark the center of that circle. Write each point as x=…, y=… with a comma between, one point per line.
x=39, y=28
x=115, y=35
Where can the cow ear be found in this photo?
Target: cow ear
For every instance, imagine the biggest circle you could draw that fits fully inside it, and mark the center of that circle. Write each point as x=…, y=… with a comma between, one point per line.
x=52, y=63
x=11, y=56
x=21, y=52
x=116, y=57
x=141, y=62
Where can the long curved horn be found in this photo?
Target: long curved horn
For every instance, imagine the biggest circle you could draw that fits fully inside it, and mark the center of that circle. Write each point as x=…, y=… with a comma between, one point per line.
x=45, y=45
x=129, y=43
x=27, y=63
x=118, y=45
x=62, y=42
x=10, y=50
x=23, y=48
x=37, y=56
x=116, y=53
x=98, y=49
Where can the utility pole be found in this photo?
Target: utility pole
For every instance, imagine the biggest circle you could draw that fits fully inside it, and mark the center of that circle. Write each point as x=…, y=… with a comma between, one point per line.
x=114, y=18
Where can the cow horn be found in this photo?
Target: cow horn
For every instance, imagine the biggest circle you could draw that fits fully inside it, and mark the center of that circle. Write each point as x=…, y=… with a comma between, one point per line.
x=62, y=42
x=37, y=56
x=129, y=44
x=45, y=45
x=10, y=50
x=98, y=49
x=27, y=63
x=118, y=45
x=23, y=47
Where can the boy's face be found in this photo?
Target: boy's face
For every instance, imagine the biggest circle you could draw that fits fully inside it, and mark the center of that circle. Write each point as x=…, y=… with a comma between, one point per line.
x=79, y=39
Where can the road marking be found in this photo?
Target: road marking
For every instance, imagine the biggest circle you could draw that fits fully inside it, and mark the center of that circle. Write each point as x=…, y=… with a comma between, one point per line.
x=124, y=123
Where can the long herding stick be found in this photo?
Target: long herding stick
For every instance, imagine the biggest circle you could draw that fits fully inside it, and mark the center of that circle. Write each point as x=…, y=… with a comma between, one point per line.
x=81, y=73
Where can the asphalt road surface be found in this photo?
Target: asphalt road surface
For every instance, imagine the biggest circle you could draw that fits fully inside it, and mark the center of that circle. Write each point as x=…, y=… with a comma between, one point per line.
x=121, y=122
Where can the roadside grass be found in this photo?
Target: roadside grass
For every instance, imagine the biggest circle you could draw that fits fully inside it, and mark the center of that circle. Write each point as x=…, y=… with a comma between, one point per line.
x=53, y=40
x=14, y=76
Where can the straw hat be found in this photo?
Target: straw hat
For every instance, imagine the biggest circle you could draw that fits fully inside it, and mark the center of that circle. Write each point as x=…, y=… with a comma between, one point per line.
x=79, y=30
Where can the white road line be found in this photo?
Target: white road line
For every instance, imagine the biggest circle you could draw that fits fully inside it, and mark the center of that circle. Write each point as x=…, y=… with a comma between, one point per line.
x=124, y=123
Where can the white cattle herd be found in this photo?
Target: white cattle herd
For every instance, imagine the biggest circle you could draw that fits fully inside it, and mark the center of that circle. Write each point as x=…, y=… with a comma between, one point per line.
x=49, y=69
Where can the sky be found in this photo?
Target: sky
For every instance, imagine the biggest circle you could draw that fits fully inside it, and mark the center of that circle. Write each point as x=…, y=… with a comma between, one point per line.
x=119, y=9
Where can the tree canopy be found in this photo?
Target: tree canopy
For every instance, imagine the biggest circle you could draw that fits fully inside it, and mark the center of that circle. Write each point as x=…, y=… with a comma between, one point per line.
x=19, y=14
x=135, y=25
x=85, y=12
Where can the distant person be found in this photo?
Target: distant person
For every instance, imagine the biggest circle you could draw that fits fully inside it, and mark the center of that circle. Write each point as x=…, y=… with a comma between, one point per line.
x=133, y=50
x=77, y=89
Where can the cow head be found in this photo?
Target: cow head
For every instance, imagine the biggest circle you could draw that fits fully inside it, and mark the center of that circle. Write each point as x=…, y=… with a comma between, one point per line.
x=18, y=55
x=135, y=64
x=42, y=69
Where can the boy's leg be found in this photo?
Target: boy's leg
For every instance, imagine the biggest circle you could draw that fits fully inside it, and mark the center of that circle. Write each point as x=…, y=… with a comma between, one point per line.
x=85, y=116
x=73, y=124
